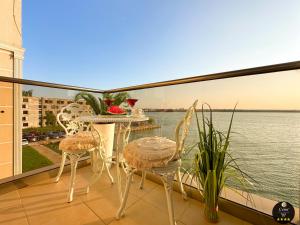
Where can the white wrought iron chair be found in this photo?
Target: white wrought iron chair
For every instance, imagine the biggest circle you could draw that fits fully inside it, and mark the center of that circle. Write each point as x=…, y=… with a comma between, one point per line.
x=81, y=138
x=160, y=156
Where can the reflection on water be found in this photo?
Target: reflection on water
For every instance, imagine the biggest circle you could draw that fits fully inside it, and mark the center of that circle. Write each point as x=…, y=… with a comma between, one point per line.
x=267, y=146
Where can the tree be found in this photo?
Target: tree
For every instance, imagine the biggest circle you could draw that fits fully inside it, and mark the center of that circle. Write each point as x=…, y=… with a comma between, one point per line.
x=50, y=119
x=27, y=93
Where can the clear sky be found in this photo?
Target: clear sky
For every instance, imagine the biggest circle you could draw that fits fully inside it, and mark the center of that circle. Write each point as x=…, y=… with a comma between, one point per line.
x=117, y=43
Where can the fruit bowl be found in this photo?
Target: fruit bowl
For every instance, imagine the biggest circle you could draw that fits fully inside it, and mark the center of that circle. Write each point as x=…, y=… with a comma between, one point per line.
x=110, y=113
x=116, y=110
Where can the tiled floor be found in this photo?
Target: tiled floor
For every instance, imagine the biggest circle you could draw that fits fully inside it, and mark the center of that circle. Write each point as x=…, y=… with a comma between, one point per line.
x=38, y=200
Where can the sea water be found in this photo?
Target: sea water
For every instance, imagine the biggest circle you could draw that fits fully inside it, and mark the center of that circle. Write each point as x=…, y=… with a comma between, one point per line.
x=265, y=144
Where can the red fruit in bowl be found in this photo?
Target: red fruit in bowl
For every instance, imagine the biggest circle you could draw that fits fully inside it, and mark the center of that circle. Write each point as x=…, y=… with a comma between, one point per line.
x=115, y=110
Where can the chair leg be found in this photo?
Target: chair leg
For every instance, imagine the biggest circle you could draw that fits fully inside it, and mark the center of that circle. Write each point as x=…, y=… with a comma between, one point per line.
x=168, y=184
x=108, y=172
x=144, y=174
x=62, y=164
x=74, y=161
x=121, y=210
x=179, y=180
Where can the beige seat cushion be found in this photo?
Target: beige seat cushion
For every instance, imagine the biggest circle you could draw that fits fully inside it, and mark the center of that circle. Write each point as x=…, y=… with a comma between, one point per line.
x=79, y=142
x=149, y=152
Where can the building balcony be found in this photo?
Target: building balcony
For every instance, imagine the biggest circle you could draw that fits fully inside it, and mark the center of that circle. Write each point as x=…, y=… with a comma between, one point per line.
x=37, y=200
x=265, y=142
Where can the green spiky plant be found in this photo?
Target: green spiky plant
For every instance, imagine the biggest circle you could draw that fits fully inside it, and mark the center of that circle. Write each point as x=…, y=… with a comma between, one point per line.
x=118, y=98
x=213, y=163
x=97, y=104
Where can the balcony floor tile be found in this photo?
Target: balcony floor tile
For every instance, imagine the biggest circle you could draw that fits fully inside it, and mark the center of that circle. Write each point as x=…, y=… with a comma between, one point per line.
x=38, y=200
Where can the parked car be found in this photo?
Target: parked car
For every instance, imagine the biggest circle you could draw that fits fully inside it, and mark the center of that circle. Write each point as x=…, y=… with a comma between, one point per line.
x=31, y=137
x=25, y=136
x=43, y=137
x=62, y=134
x=25, y=142
x=53, y=135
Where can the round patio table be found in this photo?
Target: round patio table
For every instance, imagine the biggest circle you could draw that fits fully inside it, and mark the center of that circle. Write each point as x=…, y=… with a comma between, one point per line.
x=124, y=123
x=113, y=119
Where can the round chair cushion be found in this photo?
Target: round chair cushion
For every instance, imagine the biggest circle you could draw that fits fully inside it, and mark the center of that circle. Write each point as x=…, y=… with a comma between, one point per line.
x=79, y=142
x=149, y=152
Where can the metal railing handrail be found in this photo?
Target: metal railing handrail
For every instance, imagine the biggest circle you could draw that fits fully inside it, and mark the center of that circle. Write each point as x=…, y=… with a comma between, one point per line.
x=216, y=76
x=200, y=78
x=47, y=84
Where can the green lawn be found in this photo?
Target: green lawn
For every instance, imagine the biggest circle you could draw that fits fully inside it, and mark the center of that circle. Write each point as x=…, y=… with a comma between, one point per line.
x=54, y=147
x=33, y=160
x=42, y=129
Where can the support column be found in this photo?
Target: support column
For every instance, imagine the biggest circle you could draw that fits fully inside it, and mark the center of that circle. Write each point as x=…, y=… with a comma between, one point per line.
x=18, y=73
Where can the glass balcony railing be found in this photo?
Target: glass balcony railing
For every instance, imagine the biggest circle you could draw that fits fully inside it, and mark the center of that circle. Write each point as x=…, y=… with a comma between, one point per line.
x=265, y=141
x=265, y=133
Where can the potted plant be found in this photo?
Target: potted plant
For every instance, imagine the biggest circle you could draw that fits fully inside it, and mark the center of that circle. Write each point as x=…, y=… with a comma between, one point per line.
x=108, y=104
x=213, y=163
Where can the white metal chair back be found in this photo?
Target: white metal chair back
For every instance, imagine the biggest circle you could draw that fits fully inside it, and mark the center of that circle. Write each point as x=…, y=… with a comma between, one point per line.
x=182, y=129
x=68, y=118
x=123, y=135
x=126, y=129
x=97, y=135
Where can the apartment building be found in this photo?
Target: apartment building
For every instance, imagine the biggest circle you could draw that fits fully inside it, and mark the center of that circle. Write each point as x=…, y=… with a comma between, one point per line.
x=31, y=112
x=35, y=109
x=11, y=59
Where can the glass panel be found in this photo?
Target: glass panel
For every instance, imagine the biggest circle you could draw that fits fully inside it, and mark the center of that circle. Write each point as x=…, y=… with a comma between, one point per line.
x=266, y=129
x=265, y=138
x=41, y=133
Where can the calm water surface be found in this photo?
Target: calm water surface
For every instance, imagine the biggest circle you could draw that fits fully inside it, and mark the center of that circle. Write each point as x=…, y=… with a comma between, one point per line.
x=267, y=146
